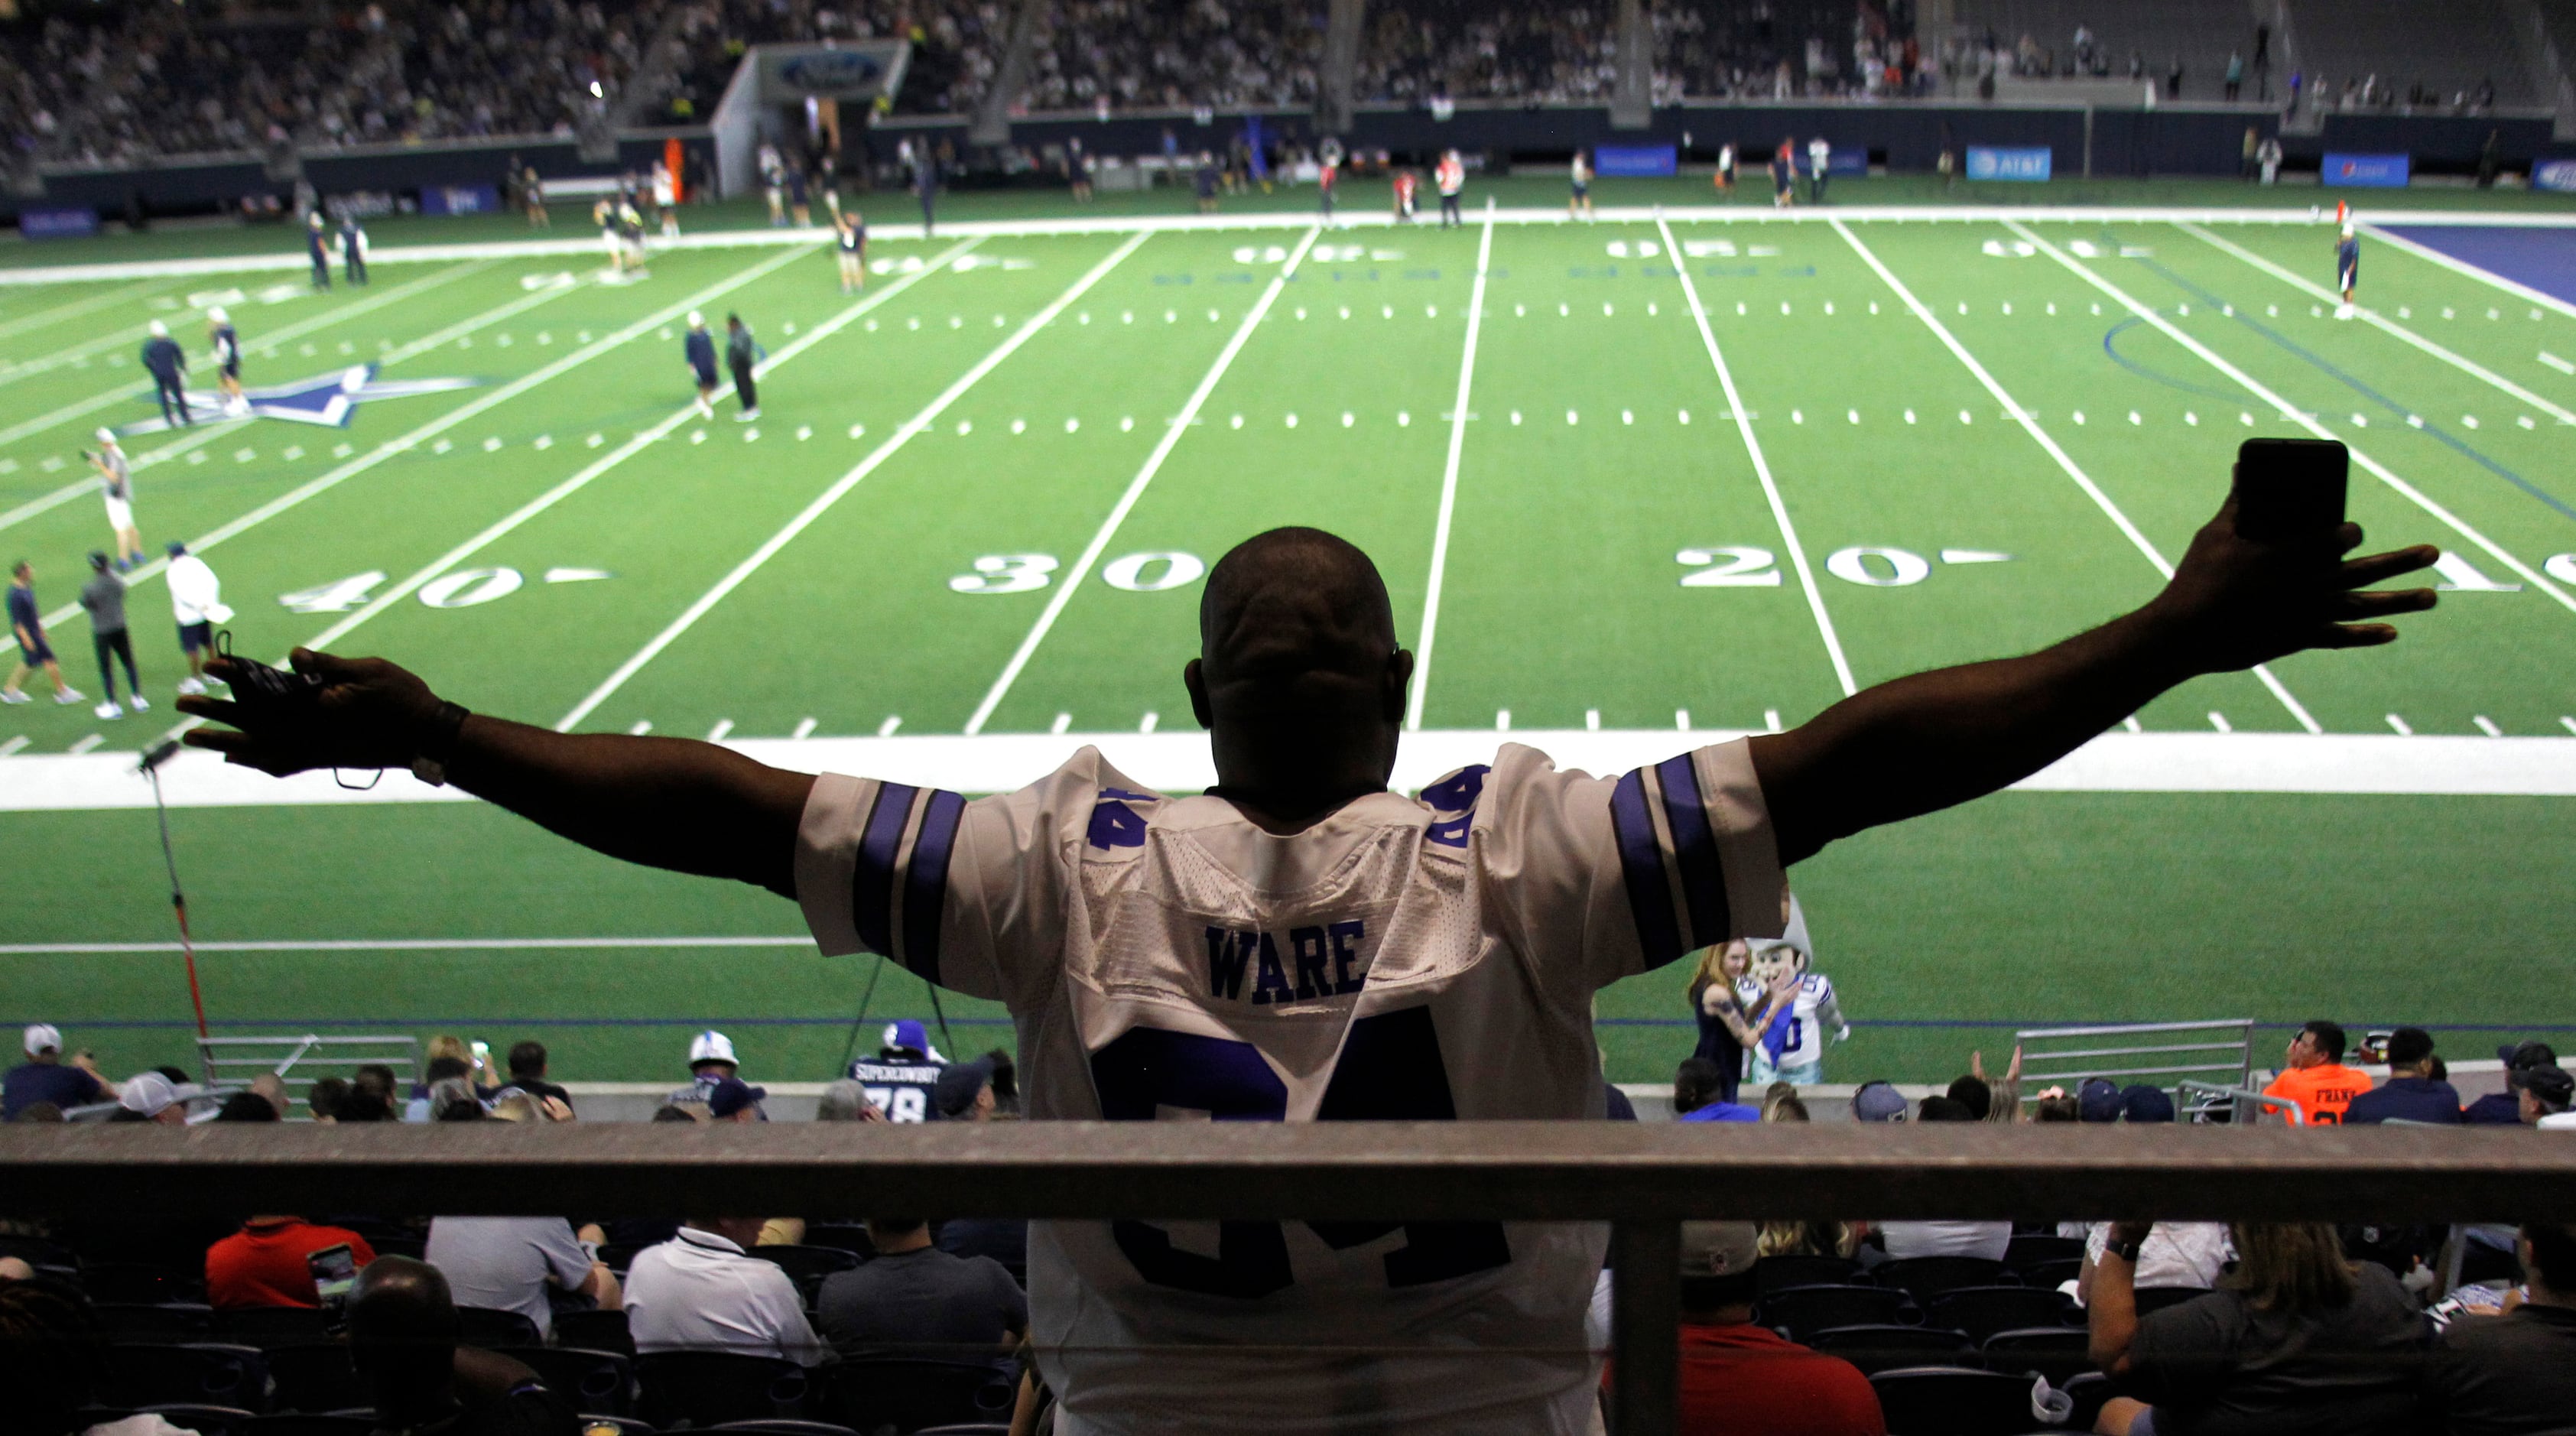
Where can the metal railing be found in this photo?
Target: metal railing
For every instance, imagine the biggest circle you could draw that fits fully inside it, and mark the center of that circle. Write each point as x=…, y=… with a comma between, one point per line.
x=1644, y=1178
x=2165, y=1053
x=2244, y=1106
x=301, y=1061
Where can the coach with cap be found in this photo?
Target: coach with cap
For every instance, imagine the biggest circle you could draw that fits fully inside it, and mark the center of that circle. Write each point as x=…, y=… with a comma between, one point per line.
x=1301, y=943
x=46, y=1077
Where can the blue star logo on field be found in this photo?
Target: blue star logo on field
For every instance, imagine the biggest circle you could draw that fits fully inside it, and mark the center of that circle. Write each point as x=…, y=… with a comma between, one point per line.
x=326, y=399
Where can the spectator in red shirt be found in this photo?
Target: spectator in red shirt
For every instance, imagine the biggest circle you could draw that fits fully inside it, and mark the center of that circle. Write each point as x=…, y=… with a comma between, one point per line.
x=1739, y=1379
x=263, y=1263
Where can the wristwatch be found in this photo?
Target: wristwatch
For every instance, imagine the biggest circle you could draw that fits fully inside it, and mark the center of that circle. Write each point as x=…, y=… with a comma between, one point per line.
x=2125, y=1251
x=438, y=745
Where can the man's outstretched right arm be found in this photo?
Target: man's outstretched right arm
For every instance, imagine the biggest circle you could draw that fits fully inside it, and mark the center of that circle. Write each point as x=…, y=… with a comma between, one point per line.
x=664, y=802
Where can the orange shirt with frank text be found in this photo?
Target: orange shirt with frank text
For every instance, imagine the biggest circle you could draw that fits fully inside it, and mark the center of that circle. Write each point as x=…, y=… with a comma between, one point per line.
x=2322, y=1092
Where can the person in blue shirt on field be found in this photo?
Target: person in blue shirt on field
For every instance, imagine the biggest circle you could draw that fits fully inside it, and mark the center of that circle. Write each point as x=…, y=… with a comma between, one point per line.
x=700, y=350
x=2411, y=1092
x=317, y=247
x=2347, y=269
x=353, y=249
x=169, y=370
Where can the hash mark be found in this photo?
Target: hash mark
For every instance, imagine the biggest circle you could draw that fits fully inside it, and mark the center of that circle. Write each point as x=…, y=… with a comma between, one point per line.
x=718, y=732
x=2399, y=724
x=804, y=730
x=887, y=728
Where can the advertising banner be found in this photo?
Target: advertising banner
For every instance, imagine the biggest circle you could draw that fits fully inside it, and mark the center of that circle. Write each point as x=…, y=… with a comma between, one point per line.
x=1985, y=162
x=2554, y=174
x=1635, y=161
x=58, y=223
x=460, y=199
x=2365, y=171
x=857, y=72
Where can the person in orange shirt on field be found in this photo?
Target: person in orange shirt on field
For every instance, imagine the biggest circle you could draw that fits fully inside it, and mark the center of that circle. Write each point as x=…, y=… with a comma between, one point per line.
x=2316, y=1078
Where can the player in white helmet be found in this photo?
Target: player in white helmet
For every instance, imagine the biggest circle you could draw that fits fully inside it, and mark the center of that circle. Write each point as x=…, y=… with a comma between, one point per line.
x=226, y=343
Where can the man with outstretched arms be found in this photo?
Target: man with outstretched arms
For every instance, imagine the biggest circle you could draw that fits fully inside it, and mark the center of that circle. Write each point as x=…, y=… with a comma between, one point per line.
x=1300, y=943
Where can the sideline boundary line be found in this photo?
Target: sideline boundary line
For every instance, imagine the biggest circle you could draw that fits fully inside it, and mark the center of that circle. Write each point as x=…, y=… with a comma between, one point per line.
x=858, y=474
x=406, y=442
x=1422, y=647
x=1153, y=465
x=2030, y=425
x=581, y=479
x=2303, y=419
x=1761, y=466
x=2381, y=322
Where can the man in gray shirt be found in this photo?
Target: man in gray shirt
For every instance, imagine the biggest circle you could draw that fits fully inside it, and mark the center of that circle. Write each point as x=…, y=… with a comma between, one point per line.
x=916, y=1300
x=507, y=1264
x=103, y=598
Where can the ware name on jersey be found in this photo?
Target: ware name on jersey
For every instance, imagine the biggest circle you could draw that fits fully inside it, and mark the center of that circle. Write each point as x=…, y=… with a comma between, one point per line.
x=902, y=1090
x=1166, y=959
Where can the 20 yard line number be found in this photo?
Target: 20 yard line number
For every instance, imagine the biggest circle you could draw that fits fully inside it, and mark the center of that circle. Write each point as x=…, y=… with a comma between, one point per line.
x=1153, y=571
x=1869, y=565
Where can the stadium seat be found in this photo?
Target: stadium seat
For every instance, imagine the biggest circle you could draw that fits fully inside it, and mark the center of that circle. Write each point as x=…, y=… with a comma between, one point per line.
x=2060, y=1353
x=142, y=1283
x=204, y=1420
x=2153, y=1299
x=1887, y=1348
x=2029, y=1250
x=807, y=1265
x=708, y=1388
x=2050, y=1275
x=600, y=1382
x=621, y=1255
x=1954, y=1401
x=270, y=1326
x=1773, y=1273
x=488, y=1327
x=909, y=1393
x=1924, y=1278
x=408, y=1246
x=314, y=1378
x=1981, y=1311
x=194, y=1373
x=303, y=1423
x=788, y=1428
x=1804, y=1310
x=156, y=1321
x=845, y=1236
x=595, y=1331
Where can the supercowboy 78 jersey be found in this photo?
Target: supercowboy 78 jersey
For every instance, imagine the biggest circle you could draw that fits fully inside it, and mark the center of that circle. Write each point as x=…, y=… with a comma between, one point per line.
x=1166, y=959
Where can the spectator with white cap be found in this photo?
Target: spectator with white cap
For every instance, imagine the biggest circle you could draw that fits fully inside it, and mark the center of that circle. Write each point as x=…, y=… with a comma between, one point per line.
x=197, y=602
x=116, y=485
x=46, y=1077
x=150, y=1097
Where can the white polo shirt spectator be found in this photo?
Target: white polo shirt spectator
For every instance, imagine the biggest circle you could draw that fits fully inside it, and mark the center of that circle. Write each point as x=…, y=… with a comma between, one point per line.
x=698, y=1292
x=507, y=1263
x=2190, y=1254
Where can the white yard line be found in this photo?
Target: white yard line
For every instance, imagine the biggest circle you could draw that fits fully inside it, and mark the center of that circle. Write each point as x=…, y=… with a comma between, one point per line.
x=1072, y=579
x=405, y=442
x=2463, y=267
x=1422, y=648
x=60, y=312
x=297, y=330
x=2030, y=425
x=822, y=504
x=614, y=457
x=1761, y=466
x=218, y=426
x=2383, y=323
x=2299, y=416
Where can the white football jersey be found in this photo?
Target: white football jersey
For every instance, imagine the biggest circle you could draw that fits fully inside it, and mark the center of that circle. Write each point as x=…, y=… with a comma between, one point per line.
x=1165, y=959
x=1811, y=1012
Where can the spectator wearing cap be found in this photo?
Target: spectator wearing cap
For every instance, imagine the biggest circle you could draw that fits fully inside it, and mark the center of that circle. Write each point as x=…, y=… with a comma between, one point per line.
x=734, y=1100
x=2543, y=1094
x=2515, y=1373
x=264, y=1264
x=1945, y=1238
x=46, y=1077
x=2140, y=1103
x=700, y=1292
x=965, y=1092
x=2316, y=1078
x=711, y=1060
x=2097, y=1099
x=902, y=1080
x=1877, y=1101
x=403, y=1342
x=2412, y=1093
x=2296, y=1339
x=1739, y=1378
x=1696, y=1085
x=914, y=1299
x=2504, y=1109
x=516, y=1263
x=150, y=1097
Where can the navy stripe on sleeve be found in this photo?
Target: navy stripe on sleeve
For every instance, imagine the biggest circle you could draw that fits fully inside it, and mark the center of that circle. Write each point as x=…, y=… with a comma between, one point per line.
x=1694, y=851
x=1641, y=861
x=872, y=875
x=925, y=883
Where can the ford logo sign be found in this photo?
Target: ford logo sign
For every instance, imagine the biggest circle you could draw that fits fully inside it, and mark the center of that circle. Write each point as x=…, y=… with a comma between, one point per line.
x=831, y=70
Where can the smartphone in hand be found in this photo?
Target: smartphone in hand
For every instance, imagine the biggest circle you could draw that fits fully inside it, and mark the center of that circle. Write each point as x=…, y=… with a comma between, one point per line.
x=2289, y=488
x=335, y=1272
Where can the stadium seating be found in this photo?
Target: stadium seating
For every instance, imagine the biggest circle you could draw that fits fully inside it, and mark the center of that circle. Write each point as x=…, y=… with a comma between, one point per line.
x=807, y=1265
x=909, y=1394
x=1804, y=1310
x=787, y=1428
x=317, y=1377
x=850, y=1237
x=595, y=1382
x=139, y=1282
x=273, y=1326
x=197, y=1372
x=1888, y=1348
x=2201, y=33
x=594, y=1331
x=1924, y=1278
x=2050, y=1275
x=709, y=1388
x=1953, y=1401
x=2060, y=1353
x=485, y=1327
x=1775, y=1273
x=2474, y=45
x=156, y=1321
x=2030, y=1249
x=299, y=1423
x=1981, y=1311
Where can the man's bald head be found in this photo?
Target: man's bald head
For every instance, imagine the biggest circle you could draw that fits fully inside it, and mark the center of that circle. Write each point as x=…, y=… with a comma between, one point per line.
x=402, y=1330
x=1299, y=675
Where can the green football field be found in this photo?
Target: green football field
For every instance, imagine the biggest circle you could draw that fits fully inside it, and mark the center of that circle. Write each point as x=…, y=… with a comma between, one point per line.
x=1634, y=484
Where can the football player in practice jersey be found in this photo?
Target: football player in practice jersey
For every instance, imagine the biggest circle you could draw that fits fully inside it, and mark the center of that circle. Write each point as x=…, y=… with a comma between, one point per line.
x=225, y=341
x=1300, y=943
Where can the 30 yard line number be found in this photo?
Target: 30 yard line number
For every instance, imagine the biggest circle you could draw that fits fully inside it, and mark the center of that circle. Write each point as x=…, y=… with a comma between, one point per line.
x=1153, y=571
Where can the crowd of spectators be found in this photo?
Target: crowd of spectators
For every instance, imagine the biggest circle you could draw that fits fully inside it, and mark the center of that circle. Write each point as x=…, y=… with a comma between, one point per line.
x=1176, y=54
x=956, y=45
